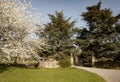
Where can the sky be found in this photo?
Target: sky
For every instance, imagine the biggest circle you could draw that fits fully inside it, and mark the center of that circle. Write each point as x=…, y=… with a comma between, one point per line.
x=71, y=8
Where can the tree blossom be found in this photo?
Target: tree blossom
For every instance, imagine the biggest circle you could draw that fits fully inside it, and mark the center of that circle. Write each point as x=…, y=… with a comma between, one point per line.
x=17, y=22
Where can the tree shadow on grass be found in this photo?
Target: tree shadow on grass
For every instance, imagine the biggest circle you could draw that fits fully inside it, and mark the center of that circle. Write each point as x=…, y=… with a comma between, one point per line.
x=3, y=68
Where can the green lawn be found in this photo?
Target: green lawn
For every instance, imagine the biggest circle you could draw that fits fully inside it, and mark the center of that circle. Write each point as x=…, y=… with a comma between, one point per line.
x=13, y=74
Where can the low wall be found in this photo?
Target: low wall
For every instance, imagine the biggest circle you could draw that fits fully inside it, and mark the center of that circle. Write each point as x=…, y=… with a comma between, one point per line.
x=49, y=64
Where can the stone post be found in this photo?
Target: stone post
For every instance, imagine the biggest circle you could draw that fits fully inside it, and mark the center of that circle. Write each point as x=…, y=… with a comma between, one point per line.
x=72, y=60
x=93, y=60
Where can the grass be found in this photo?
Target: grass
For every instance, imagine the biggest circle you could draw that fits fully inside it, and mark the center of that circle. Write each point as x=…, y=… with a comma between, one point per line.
x=12, y=74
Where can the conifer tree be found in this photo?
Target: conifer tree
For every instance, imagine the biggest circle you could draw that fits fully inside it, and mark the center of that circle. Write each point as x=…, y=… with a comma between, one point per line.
x=101, y=35
x=59, y=33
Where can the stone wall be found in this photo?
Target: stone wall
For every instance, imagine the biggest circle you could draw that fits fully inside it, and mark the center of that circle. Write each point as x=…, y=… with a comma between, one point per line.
x=49, y=64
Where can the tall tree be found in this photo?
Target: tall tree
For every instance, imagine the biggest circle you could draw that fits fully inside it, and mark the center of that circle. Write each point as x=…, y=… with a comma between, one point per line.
x=102, y=32
x=59, y=33
x=16, y=24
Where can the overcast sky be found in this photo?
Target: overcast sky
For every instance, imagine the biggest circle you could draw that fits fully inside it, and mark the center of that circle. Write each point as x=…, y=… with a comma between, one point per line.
x=72, y=8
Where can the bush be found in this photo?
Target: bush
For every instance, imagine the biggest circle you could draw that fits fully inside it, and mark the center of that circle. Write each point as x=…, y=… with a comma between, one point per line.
x=107, y=64
x=64, y=63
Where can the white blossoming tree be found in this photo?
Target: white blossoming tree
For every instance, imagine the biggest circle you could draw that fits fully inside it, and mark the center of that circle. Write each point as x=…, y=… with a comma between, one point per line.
x=17, y=22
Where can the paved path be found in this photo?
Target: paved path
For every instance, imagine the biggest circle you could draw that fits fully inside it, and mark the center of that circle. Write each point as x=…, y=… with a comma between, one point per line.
x=108, y=74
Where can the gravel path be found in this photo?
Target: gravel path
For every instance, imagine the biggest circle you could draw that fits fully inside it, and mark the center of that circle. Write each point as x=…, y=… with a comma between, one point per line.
x=108, y=74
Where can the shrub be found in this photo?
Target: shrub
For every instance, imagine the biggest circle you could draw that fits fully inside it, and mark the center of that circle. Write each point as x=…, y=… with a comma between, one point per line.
x=64, y=63
x=107, y=64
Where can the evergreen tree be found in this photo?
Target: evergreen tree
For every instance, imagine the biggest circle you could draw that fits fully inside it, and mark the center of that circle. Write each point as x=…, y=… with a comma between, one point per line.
x=59, y=32
x=102, y=35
